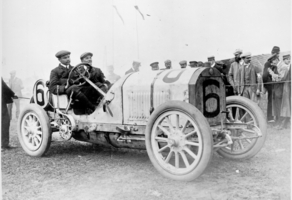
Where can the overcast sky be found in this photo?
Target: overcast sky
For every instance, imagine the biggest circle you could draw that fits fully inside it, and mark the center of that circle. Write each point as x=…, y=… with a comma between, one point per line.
x=34, y=30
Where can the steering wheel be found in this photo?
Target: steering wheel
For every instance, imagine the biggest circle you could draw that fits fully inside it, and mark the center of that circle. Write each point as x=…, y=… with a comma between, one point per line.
x=78, y=72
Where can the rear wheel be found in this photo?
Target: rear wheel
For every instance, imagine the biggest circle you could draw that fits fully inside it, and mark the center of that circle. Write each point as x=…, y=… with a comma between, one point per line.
x=246, y=141
x=179, y=141
x=34, y=131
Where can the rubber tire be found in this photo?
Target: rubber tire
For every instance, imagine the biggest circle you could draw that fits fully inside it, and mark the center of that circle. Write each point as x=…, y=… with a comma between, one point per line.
x=45, y=123
x=261, y=121
x=204, y=128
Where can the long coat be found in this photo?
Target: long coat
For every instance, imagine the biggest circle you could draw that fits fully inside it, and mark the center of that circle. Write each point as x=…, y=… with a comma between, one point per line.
x=253, y=79
x=286, y=98
x=7, y=95
x=267, y=80
x=59, y=76
x=233, y=75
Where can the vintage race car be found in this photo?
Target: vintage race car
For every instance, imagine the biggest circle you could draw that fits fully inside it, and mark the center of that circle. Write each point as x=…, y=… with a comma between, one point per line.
x=180, y=116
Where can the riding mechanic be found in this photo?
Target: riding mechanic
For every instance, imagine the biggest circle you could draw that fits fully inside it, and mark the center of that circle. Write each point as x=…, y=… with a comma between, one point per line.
x=59, y=83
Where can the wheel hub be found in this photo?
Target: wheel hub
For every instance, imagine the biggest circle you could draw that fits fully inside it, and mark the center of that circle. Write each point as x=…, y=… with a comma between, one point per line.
x=176, y=140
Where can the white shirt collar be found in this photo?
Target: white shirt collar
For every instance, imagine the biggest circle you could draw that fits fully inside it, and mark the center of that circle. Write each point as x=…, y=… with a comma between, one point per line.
x=66, y=66
x=213, y=65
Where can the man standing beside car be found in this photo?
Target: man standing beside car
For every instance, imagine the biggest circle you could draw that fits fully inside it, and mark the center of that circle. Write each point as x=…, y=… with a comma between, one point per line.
x=248, y=84
x=16, y=86
x=59, y=83
x=7, y=96
x=233, y=74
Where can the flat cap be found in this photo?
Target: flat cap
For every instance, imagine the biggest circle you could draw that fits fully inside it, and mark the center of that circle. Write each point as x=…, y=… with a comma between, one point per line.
x=273, y=57
x=210, y=58
x=286, y=56
x=136, y=62
x=62, y=53
x=275, y=50
x=85, y=54
x=167, y=61
x=154, y=63
x=237, y=51
x=183, y=62
x=193, y=62
x=245, y=55
x=220, y=62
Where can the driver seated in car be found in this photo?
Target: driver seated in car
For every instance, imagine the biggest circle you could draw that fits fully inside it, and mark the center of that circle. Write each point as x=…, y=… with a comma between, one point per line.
x=59, y=83
x=96, y=75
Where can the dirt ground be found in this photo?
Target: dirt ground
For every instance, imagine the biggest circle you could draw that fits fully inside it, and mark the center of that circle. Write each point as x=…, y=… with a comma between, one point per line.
x=76, y=170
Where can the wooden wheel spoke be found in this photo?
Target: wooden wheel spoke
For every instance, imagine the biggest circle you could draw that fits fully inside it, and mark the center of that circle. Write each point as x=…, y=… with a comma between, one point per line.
x=164, y=130
x=38, y=137
x=243, y=116
x=177, y=122
x=230, y=114
x=168, y=156
x=176, y=159
x=185, y=126
x=161, y=139
x=232, y=146
x=192, y=143
x=183, y=155
x=190, y=133
x=163, y=148
x=190, y=152
x=246, y=139
x=169, y=123
x=240, y=144
x=39, y=132
x=237, y=113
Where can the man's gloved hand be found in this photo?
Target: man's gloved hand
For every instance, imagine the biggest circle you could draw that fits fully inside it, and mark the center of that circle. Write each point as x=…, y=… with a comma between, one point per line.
x=15, y=97
x=98, y=84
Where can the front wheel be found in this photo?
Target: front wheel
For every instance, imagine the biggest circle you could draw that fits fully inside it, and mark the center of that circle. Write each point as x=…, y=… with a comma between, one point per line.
x=179, y=141
x=247, y=142
x=34, y=130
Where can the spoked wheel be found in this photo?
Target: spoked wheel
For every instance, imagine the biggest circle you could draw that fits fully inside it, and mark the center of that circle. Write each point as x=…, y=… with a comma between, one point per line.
x=178, y=141
x=34, y=131
x=247, y=141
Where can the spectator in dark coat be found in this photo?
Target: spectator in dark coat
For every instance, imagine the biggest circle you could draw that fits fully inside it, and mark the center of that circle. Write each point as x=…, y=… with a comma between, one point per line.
x=7, y=96
x=267, y=80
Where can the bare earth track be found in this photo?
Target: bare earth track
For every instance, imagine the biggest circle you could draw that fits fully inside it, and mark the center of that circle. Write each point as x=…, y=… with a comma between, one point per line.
x=76, y=170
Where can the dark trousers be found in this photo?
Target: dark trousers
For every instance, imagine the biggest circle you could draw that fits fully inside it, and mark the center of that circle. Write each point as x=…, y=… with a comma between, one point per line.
x=91, y=93
x=10, y=107
x=270, y=103
x=5, y=124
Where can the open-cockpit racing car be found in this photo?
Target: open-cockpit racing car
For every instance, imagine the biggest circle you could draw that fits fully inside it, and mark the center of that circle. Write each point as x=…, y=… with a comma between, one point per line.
x=180, y=116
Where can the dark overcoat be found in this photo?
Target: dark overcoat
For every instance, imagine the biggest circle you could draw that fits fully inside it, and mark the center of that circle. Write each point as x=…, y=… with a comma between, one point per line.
x=59, y=76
